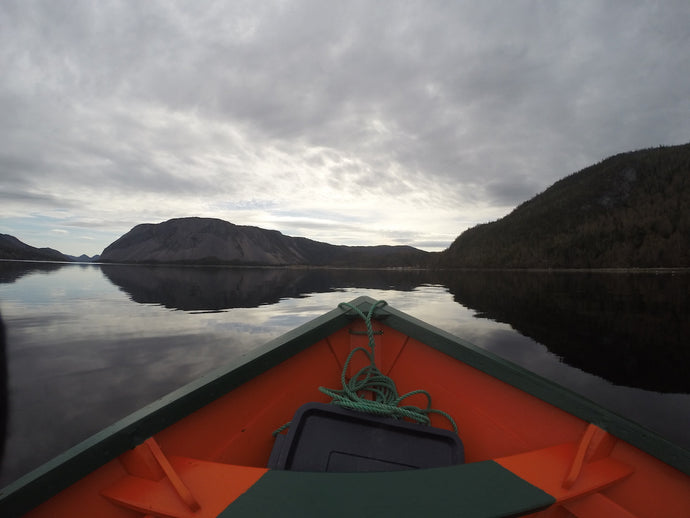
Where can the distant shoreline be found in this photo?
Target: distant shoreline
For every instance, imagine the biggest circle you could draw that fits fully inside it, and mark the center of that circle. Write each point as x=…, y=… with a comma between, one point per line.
x=622, y=269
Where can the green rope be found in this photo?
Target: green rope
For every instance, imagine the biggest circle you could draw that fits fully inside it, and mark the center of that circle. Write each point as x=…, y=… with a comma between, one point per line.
x=371, y=381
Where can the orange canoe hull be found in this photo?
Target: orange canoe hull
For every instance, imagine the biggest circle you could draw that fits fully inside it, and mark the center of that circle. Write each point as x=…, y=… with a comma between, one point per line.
x=200, y=451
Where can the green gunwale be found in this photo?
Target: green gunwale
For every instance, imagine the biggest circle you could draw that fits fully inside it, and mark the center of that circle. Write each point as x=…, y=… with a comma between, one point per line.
x=65, y=469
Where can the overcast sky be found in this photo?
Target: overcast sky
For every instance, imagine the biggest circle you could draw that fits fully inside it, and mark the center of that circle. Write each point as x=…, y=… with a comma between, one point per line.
x=348, y=122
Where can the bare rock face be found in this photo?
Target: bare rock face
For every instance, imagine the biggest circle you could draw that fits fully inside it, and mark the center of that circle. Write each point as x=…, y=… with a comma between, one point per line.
x=14, y=249
x=203, y=241
x=214, y=241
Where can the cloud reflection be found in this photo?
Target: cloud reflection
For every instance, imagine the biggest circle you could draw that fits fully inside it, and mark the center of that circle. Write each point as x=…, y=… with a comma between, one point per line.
x=83, y=352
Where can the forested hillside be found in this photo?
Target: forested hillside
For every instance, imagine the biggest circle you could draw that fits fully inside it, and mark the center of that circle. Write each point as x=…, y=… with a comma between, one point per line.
x=630, y=210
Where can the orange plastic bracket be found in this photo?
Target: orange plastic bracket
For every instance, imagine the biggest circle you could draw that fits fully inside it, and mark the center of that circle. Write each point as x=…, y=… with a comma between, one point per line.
x=545, y=468
x=214, y=485
x=140, y=462
x=180, y=488
x=594, y=442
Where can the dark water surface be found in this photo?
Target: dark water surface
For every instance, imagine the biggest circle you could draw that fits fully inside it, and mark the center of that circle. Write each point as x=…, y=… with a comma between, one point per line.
x=89, y=344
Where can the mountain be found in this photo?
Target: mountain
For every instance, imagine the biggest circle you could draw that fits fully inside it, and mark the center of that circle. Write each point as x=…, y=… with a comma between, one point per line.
x=214, y=241
x=13, y=248
x=630, y=210
x=83, y=258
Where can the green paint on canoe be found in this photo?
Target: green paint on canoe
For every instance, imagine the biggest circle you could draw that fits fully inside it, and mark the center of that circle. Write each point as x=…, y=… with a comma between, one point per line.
x=477, y=490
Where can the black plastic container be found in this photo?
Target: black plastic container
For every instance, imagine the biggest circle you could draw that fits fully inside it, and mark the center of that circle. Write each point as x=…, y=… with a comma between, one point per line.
x=330, y=438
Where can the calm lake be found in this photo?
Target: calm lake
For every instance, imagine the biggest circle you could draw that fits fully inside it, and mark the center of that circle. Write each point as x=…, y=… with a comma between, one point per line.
x=89, y=344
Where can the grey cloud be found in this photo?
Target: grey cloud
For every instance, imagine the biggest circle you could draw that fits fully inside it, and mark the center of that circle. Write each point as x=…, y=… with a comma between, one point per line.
x=485, y=102
x=33, y=199
x=510, y=191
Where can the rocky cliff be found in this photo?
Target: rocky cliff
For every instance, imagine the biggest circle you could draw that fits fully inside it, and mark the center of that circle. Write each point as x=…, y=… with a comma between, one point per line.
x=14, y=249
x=214, y=241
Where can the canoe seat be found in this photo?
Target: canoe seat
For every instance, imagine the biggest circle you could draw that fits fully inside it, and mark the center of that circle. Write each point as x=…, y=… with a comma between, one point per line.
x=473, y=490
x=328, y=438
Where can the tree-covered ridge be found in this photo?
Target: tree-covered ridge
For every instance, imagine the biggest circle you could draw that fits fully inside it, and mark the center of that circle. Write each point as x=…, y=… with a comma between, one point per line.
x=630, y=210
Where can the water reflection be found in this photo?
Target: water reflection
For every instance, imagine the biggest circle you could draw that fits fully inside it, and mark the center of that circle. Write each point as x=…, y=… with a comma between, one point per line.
x=215, y=289
x=88, y=344
x=629, y=328
x=12, y=271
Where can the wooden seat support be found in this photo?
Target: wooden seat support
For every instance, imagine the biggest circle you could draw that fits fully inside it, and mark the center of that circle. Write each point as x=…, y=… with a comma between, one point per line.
x=570, y=475
x=574, y=473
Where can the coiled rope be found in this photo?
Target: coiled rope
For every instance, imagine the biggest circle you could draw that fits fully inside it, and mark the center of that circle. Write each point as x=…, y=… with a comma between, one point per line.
x=371, y=391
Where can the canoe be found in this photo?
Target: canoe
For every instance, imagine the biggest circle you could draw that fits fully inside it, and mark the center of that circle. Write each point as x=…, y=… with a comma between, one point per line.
x=364, y=411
